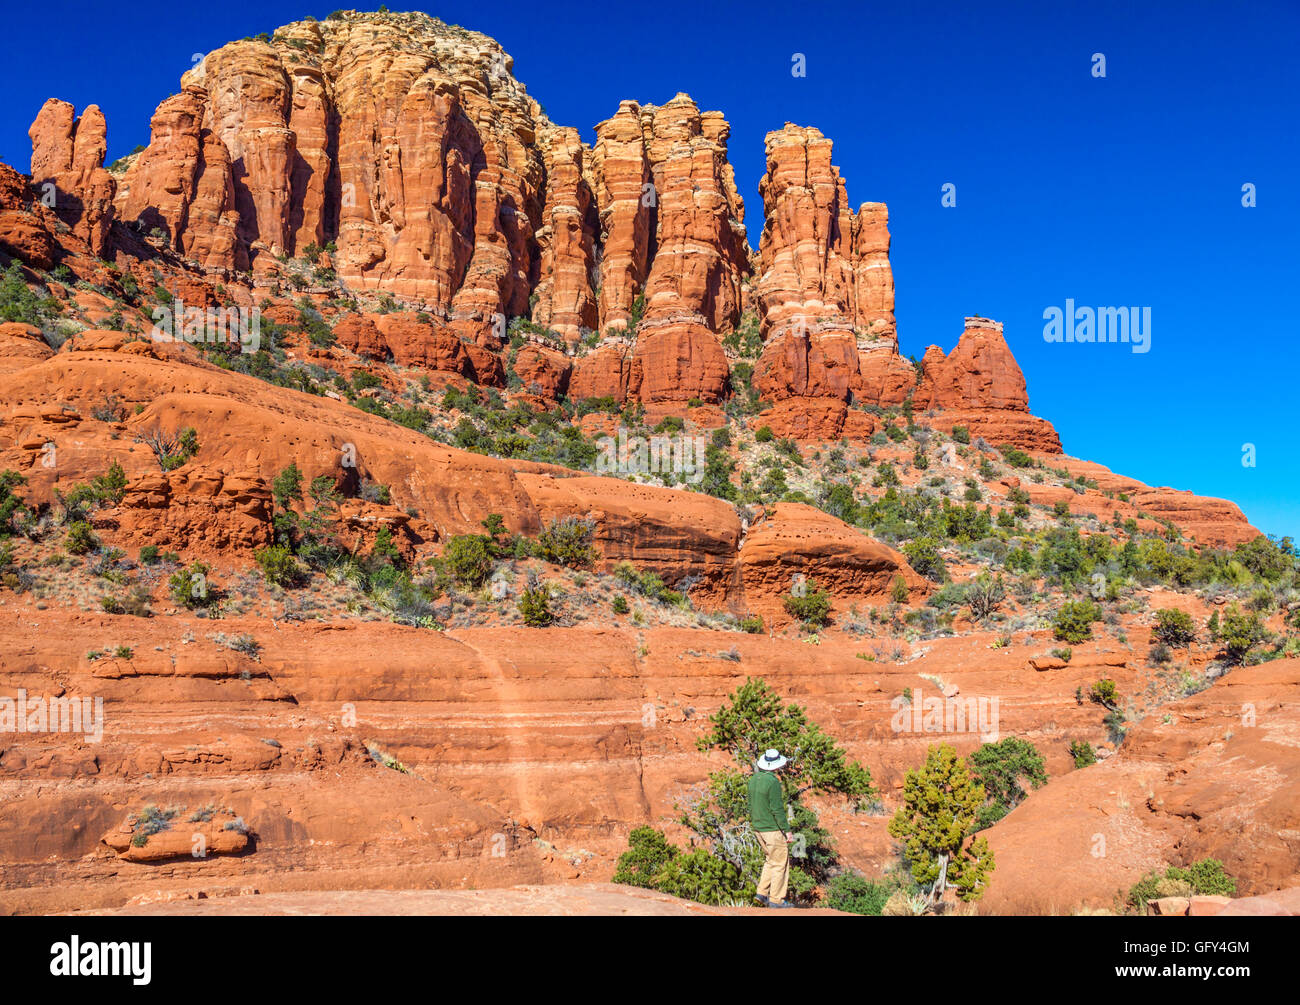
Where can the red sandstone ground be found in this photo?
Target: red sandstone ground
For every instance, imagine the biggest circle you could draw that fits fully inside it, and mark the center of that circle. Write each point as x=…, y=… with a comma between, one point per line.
x=464, y=751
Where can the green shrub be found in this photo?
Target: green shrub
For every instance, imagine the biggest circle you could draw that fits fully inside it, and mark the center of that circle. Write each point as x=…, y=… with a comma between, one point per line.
x=853, y=892
x=885, y=476
x=109, y=488
x=567, y=542
x=923, y=556
x=701, y=877
x=985, y=595
x=1153, y=886
x=1240, y=632
x=1000, y=767
x=764, y=434
x=150, y=821
x=10, y=502
x=1203, y=878
x=1104, y=692
x=1174, y=628
x=752, y=624
x=810, y=605
x=81, y=538
x=1073, y=622
x=648, y=855
x=620, y=604
x=1082, y=753
x=18, y=303
x=1206, y=877
x=191, y=587
x=468, y=559
x=535, y=605
x=1016, y=458
x=278, y=565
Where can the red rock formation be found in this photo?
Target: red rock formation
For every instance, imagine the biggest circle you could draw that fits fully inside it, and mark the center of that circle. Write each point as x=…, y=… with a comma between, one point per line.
x=228, y=513
x=543, y=371
x=248, y=102
x=603, y=373
x=799, y=540
x=824, y=266
x=24, y=232
x=816, y=419
x=211, y=235
x=357, y=333
x=566, y=302
x=826, y=293
x=676, y=361
x=979, y=373
x=622, y=174
x=183, y=184
x=68, y=156
x=700, y=250
x=434, y=346
x=313, y=188
x=980, y=385
x=20, y=346
x=1200, y=779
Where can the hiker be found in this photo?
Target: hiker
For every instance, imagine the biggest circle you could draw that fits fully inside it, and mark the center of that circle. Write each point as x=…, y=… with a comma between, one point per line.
x=767, y=817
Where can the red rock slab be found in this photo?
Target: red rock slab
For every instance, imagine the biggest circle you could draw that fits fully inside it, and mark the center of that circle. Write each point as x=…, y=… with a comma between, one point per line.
x=578, y=900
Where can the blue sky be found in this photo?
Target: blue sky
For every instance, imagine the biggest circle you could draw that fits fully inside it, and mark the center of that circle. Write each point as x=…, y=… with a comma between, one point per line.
x=1117, y=191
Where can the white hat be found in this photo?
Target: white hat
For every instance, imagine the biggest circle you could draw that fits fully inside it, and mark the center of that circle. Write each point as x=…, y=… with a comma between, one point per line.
x=771, y=760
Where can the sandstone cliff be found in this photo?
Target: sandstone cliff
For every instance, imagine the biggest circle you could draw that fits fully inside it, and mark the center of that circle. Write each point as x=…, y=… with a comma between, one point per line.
x=408, y=148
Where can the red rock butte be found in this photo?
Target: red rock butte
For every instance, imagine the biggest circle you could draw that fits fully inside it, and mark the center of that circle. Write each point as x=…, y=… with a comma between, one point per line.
x=408, y=145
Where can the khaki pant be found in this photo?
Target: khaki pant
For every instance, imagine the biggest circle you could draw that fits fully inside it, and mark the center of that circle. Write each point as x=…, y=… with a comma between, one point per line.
x=776, y=865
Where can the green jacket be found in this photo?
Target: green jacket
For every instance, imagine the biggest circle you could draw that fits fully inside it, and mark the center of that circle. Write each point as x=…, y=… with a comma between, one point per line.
x=766, y=803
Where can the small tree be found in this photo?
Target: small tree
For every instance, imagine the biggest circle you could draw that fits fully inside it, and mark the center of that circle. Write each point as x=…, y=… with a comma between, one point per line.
x=287, y=486
x=1240, y=633
x=278, y=565
x=535, y=604
x=10, y=502
x=1174, y=628
x=1073, y=622
x=753, y=720
x=810, y=605
x=1082, y=753
x=567, y=542
x=648, y=855
x=81, y=539
x=468, y=559
x=941, y=804
x=172, y=449
x=999, y=767
x=192, y=588
x=110, y=487
x=1105, y=693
